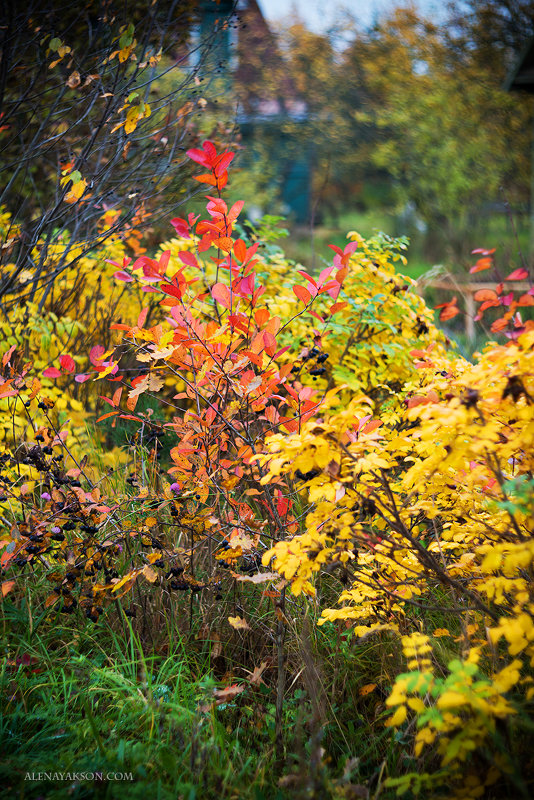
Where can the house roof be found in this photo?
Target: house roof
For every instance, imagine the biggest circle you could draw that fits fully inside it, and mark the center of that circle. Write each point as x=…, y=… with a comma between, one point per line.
x=522, y=74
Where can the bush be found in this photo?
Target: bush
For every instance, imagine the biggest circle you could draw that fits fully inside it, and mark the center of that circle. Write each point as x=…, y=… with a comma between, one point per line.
x=309, y=424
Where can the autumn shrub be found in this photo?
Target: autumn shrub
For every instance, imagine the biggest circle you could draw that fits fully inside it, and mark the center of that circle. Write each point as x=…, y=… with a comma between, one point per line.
x=308, y=423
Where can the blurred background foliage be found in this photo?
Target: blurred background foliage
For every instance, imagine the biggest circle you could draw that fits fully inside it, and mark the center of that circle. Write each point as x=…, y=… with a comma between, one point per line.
x=404, y=127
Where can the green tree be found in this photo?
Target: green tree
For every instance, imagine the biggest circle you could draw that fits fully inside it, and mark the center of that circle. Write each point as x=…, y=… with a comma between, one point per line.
x=96, y=109
x=446, y=131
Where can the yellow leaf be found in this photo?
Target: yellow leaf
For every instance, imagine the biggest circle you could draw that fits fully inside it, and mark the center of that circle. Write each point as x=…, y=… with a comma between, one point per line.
x=398, y=717
x=132, y=118
x=239, y=623
x=416, y=704
x=150, y=574
x=74, y=80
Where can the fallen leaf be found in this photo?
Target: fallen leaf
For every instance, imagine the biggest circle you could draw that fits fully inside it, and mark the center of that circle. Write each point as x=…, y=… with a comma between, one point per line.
x=260, y=577
x=441, y=632
x=74, y=80
x=223, y=695
x=6, y=587
x=255, y=677
x=150, y=574
x=239, y=623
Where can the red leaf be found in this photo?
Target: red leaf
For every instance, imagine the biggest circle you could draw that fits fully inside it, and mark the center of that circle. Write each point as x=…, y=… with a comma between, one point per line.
x=246, y=285
x=216, y=206
x=181, y=227
x=223, y=162
x=164, y=261
x=123, y=276
x=270, y=343
x=302, y=294
x=371, y=426
x=174, y=291
x=209, y=149
x=221, y=294
x=517, y=275
x=187, y=258
x=96, y=353
x=67, y=363
x=324, y=275
x=288, y=347
x=336, y=249
x=199, y=156
x=308, y=278
x=52, y=372
x=499, y=325
x=448, y=310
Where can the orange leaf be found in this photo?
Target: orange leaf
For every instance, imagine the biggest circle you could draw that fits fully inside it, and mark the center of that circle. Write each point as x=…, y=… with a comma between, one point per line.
x=261, y=316
x=448, y=312
x=482, y=264
x=499, y=325
x=367, y=689
x=240, y=250
x=50, y=600
x=484, y=294
x=7, y=356
x=302, y=294
x=6, y=587
x=371, y=426
x=206, y=178
x=105, y=416
x=224, y=243
x=337, y=307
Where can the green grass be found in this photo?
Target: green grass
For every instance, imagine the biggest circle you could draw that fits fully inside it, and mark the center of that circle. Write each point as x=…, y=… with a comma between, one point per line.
x=510, y=237
x=78, y=697
x=83, y=698
x=98, y=702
